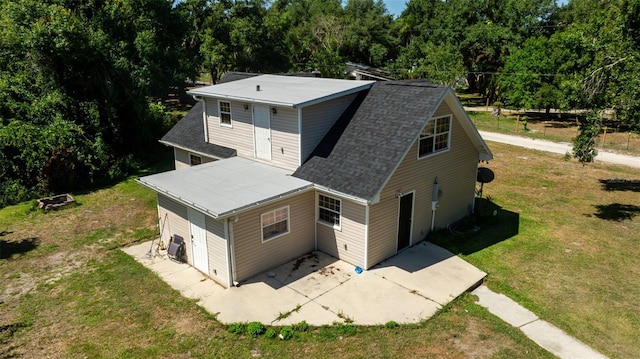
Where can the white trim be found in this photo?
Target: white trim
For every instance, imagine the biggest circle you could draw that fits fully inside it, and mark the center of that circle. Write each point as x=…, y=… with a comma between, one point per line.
x=228, y=213
x=332, y=192
x=279, y=234
x=315, y=215
x=220, y=123
x=255, y=146
x=198, y=92
x=413, y=205
x=300, y=159
x=170, y=144
x=328, y=224
x=435, y=127
x=205, y=119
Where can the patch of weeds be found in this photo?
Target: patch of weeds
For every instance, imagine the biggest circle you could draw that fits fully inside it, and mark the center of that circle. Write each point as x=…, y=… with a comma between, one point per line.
x=303, y=326
x=391, y=324
x=270, y=333
x=345, y=317
x=567, y=156
x=236, y=328
x=346, y=329
x=286, y=333
x=287, y=314
x=255, y=329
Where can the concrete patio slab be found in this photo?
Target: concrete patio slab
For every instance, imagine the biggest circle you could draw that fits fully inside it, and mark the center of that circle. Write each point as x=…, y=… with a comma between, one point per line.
x=431, y=271
x=256, y=301
x=320, y=289
x=313, y=313
x=370, y=299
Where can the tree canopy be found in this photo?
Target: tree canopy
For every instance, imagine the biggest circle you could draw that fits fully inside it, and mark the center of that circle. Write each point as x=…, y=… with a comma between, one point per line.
x=80, y=80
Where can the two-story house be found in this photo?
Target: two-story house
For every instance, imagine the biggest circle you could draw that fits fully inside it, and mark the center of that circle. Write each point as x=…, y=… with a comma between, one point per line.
x=269, y=168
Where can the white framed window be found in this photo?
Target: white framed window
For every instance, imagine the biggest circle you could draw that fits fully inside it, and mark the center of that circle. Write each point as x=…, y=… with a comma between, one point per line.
x=194, y=160
x=274, y=223
x=329, y=211
x=435, y=136
x=224, y=110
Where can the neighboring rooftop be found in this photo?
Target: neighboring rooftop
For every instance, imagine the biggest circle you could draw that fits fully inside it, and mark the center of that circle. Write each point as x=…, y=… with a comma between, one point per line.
x=188, y=134
x=223, y=188
x=289, y=91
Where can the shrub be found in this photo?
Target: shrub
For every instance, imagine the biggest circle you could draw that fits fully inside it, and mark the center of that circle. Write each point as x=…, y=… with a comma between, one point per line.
x=255, y=328
x=236, y=328
x=346, y=329
x=303, y=326
x=390, y=324
x=286, y=333
x=270, y=333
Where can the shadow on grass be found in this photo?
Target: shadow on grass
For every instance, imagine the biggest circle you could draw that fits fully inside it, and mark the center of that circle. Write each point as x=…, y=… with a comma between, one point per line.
x=491, y=224
x=616, y=211
x=9, y=248
x=616, y=184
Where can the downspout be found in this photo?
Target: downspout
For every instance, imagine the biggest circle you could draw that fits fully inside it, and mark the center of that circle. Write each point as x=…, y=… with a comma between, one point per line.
x=228, y=238
x=204, y=116
x=232, y=252
x=366, y=238
x=434, y=203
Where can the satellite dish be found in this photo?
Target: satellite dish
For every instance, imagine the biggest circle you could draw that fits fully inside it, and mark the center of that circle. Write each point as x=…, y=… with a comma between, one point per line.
x=485, y=175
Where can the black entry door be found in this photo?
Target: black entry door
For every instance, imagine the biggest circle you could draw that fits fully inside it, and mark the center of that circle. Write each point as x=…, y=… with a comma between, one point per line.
x=404, y=220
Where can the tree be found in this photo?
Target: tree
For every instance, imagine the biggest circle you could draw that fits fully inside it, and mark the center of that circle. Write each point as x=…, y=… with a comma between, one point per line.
x=76, y=87
x=367, y=33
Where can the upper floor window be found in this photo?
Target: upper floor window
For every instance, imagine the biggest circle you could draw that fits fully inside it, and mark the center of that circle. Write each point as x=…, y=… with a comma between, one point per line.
x=194, y=160
x=329, y=210
x=435, y=136
x=224, y=108
x=275, y=223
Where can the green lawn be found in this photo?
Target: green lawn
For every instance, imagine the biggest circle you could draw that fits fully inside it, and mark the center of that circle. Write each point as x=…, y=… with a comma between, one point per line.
x=563, y=246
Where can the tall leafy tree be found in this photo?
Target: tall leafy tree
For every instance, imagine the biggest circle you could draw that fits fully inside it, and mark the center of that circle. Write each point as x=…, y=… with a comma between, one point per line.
x=77, y=81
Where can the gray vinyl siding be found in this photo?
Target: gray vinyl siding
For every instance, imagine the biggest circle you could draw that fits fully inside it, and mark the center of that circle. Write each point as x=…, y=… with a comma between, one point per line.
x=239, y=136
x=347, y=243
x=217, y=251
x=318, y=119
x=174, y=220
x=456, y=172
x=252, y=256
x=284, y=138
x=182, y=158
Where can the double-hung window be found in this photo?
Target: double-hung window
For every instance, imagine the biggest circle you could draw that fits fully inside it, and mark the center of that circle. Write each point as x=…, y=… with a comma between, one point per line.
x=329, y=210
x=274, y=223
x=224, y=108
x=435, y=136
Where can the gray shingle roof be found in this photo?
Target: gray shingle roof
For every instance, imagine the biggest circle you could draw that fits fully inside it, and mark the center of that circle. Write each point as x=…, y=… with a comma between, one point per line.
x=188, y=134
x=376, y=139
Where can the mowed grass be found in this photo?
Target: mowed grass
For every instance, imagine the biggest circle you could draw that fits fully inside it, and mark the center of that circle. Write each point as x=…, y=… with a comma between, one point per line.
x=574, y=260
x=559, y=127
x=67, y=291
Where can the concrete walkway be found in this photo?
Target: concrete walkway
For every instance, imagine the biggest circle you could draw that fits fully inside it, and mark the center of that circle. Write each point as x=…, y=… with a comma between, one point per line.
x=559, y=147
x=320, y=289
x=544, y=334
